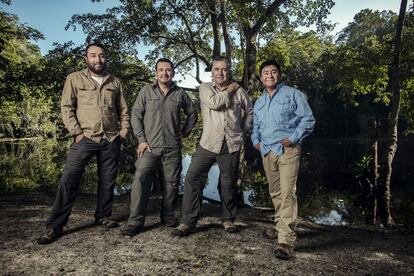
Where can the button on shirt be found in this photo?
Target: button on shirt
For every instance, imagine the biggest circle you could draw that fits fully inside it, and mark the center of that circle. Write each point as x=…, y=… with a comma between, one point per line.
x=285, y=115
x=156, y=117
x=225, y=117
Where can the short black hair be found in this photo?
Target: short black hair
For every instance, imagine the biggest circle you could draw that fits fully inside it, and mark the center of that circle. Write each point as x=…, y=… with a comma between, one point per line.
x=96, y=44
x=222, y=58
x=164, y=60
x=268, y=63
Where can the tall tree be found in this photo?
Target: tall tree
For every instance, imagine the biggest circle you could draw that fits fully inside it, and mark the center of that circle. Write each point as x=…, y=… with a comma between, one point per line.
x=362, y=71
x=392, y=139
x=193, y=32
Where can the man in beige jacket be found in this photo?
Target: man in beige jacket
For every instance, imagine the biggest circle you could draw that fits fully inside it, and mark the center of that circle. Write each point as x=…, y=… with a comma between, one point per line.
x=227, y=112
x=95, y=113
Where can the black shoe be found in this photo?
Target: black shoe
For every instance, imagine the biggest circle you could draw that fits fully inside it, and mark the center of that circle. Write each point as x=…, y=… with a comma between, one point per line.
x=183, y=230
x=131, y=230
x=106, y=222
x=50, y=235
x=270, y=233
x=284, y=251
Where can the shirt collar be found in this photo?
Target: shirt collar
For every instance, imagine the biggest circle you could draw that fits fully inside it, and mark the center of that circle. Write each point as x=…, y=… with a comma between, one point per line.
x=280, y=85
x=173, y=86
x=220, y=89
x=87, y=72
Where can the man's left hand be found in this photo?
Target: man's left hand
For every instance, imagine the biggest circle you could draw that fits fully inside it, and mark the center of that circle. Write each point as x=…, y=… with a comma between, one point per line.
x=287, y=143
x=233, y=87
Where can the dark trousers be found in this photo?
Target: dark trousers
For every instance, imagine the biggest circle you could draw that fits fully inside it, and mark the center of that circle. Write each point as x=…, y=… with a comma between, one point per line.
x=107, y=155
x=201, y=162
x=170, y=161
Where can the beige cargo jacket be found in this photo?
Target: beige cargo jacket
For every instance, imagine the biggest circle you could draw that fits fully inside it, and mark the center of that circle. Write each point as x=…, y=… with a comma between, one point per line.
x=95, y=110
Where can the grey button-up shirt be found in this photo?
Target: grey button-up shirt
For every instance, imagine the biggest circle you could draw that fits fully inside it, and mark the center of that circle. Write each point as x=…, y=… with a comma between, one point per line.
x=156, y=117
x=225, y=115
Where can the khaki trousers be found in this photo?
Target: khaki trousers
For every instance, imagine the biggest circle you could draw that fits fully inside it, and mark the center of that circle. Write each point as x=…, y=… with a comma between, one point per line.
x=282, y=174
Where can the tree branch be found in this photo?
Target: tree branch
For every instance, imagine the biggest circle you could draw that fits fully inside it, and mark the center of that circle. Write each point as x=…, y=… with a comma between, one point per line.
x=270, y=11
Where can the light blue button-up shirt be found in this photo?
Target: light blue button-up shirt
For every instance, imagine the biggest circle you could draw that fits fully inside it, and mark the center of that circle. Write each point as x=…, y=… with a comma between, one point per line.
x=284, y=115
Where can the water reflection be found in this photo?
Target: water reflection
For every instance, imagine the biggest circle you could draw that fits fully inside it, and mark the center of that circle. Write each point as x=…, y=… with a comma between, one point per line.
x=328, y=216
x=331, y=218
x=210, y=191
x=326, y=209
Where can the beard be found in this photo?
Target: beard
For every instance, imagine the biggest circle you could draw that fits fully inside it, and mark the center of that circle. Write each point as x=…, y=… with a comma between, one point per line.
x=97, y=71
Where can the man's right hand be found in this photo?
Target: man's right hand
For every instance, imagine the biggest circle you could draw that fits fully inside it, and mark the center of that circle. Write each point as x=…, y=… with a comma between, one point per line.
x=257, y=146
x=78, y=138
x=141, y=149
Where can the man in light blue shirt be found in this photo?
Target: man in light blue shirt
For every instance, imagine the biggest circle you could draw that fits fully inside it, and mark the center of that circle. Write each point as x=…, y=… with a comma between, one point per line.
x=282, y=119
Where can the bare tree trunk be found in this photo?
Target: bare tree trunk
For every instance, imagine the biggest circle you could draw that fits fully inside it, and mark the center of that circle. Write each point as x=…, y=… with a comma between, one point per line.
x=384, y=195
x=250, y=81
x=371, y=203
x=215, y=26
x=226, y=36
x=249, y=74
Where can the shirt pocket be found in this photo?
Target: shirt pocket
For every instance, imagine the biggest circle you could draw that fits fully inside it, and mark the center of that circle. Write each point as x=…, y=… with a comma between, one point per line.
x=174, y=104
x=173, y=108
x=86, y=94
x=284, y=109
x=153, y=104
x=110, y=95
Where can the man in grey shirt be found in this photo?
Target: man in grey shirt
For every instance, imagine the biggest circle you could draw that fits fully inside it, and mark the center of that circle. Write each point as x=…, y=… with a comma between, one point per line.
x=156, y=122
x=227, y=112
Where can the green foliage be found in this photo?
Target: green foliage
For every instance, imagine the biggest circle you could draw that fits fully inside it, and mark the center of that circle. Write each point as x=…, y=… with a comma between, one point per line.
x=30, y=88
x=364, y=164
x=33, y=165
x=183, y=30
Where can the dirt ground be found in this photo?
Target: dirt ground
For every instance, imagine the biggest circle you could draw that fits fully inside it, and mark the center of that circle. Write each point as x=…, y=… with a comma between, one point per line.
x=86, y=249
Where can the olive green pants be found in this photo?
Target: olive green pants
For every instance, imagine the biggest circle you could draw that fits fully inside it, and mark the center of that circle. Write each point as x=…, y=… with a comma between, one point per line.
x=282, y=174
x=169, y=159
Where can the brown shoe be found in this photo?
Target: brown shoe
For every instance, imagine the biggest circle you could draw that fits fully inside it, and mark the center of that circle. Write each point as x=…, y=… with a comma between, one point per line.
x=230, y=227
x=106, y=222
x=270, y=233
x=183, y=230
x=283, y=251
x=131, y=230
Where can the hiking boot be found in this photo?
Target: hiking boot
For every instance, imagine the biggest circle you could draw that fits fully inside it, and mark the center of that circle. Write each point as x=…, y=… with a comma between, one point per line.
x=49, y=235
x=183, y=230
x=131, y=230
x=230, y=227
x=270, y=233
x=283, y=251
x=106, y=222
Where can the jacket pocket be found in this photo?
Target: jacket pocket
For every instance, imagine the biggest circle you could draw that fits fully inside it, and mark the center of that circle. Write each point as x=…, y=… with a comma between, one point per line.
x=110, y=96
x=87, y=95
